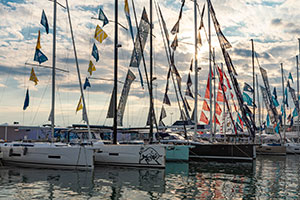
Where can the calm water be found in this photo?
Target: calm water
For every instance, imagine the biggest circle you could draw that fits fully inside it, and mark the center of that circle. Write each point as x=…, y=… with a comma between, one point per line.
x=267, y=178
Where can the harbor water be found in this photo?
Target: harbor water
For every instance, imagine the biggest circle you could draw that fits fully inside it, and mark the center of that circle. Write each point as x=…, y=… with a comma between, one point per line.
x=269, y=177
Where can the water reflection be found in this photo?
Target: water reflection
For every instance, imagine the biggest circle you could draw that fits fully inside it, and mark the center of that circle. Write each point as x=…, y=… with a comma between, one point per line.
x=267, y=178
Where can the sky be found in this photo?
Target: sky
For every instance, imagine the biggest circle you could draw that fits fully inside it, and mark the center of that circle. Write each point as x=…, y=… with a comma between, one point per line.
x=272, y=24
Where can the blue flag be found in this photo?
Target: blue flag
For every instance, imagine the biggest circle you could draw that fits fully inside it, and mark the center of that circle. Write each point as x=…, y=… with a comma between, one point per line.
x=247, y=99
x=86, y=83
x=248, y=88
x=286, y=97
x=290, y=77
x=292, y=121
x=268, y=120
x=44, y=22
x=295, y=113
x=39, y=56
x=26, y=102
x=95, y=52
x=102, y=17
x=277, y=128
x=275, y=102
x=275, y=93
x=283, y=111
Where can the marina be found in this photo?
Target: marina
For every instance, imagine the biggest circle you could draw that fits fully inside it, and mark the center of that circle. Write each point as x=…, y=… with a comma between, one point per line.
x=150, y=99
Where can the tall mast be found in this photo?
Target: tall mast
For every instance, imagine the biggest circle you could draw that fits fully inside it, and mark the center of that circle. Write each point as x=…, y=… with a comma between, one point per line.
x=284, y=137
x=151, y=77
x=258, y=105
x=224, y=122
x=297, y=61
x=210, y=76
x=253, y=76
x=196, y=70
x=85, y=117
x=115, y=74
x=214, y=70
x=53, y=70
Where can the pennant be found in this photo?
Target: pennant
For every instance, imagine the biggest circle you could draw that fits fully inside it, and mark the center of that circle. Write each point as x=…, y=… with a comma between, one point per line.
x=203, y=118
x=283, y=111
x=275, y=93
x=188, y=92
x=127, y=13
x=290, y=77
x=175, y=28
x=38, y=43
x=91, y=68
x=275, y=102
x=247, y=99
x=199, y=40
x=285, y=101
x=166, y=100
x=240, y=120
x=26, y=102
x=189, y=80
x=295, y=113
x=191, y=65
x=202, y=14
x=39, y=56
x=100, y=35
x=33, y=77
x=174, y=43
x=215, y=119
x=227, y=80
x=220, y=97
x=268, y=120
x=220, y=75
x=292, y=122
x=224, y=87
x=205, y=106
x=238, y=127
x=163, y=113
x=277, y=128
x=44, y=22
x=95, y=52
x=218, y=109
x=102, y=17
x=289, y=117
x=248, y=88
x=86, y=83
x=79, y=106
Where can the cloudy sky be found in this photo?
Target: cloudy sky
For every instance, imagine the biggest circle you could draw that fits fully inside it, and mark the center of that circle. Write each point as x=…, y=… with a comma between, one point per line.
x=272, y=24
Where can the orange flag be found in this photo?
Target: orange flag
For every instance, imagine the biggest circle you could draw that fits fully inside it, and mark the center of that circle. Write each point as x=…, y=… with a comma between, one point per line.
x=218, y=109
x=217, y=121
x=203, y=118
x=205, y=106
x=220, y=97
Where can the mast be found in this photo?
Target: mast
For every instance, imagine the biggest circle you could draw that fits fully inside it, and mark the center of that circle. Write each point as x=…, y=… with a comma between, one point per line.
x=214, y=115
x=151, y=77
x=297, y=61
x=210, y=76
x=115, y=74
x=258, y=105
x=284, y=137
x=85, y=117
x=196, y=70
x=253, y=76
x=224, y=123
x=53, y=70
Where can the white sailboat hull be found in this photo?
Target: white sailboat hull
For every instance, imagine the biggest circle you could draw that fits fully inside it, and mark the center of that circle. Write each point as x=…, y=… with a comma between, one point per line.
x=292, y=148
x=136, y=155
x=266, y=149
x=48, y=155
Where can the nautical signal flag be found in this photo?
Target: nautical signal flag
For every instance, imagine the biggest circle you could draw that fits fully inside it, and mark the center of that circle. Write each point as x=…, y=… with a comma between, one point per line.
x=79, y=106
x=174, y=43
x=100, y=35
x=248, y=88
x=102, y=17
x=205, y=106
x=218, y=109
x=44, y=22
x=38, y=43
x=290, y=77
x=91, y=68
x=95, y=52
x=33, y=77
x=220, y=97
x=26, y=102
x=203, y=118
x=127, y=13
x=216, y=119
x=39, y=56
x=86, y=83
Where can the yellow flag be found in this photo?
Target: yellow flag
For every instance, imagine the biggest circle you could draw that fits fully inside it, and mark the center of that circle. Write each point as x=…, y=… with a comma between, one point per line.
x=38, y=43
x=33, y=77
x=92, y=68
x=79, y=106
x=100, y=35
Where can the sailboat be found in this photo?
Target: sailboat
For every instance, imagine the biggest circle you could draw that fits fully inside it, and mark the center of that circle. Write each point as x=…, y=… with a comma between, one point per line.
x=49, y=154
